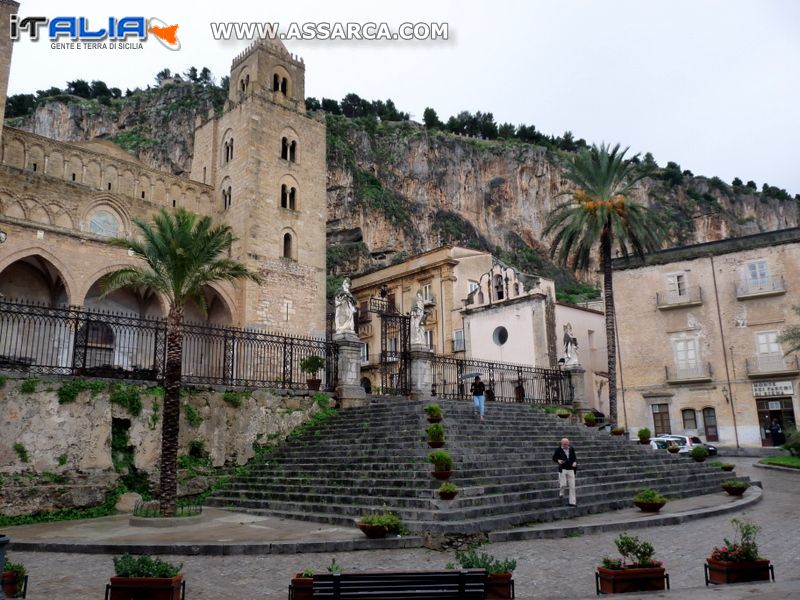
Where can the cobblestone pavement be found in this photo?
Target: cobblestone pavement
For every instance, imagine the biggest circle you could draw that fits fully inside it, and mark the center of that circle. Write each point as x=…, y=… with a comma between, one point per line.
x=559, y=568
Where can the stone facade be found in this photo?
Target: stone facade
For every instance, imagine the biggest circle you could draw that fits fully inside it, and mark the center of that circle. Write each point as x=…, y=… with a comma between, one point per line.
x=59, y=201
x=697, y=338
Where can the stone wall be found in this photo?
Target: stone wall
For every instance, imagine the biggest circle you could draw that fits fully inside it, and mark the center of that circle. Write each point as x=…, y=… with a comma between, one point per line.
x=68, y=446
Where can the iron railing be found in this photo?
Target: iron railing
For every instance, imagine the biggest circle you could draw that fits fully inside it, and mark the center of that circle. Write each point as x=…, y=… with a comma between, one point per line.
x=505, y=382
x=690, y=295
x=75, y=341
x=767, y=364
x=758, y=286
x=698, y=372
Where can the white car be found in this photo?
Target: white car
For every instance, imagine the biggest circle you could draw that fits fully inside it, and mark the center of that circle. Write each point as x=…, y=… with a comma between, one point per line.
x=686, y=443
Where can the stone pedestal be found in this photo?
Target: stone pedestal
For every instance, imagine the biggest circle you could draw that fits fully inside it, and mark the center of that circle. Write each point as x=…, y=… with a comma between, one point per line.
x=580, y=401
x=349, y=390
x=421, y=372
x=3, y=542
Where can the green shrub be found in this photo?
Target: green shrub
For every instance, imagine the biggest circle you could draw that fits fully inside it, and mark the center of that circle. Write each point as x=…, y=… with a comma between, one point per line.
x=433, y=410
x=3, y=380
x=312, y=364
x=435, y=432
x=193, y=416
x=448, y=488
x=741, y=549
x=792, y=444
x=334, y=568
x=17, y=569
x=648, y=495
x=589, y=418
x=322, y=400
x=235, y=398
x=441, y=460
x=614, y=564
x=22, y=452
x=644, y=433
x=128, y=397
x=144, y=566
x=29, y=385
x=637, y=552
x=69, y=390
x=472, y=560
x=62, y=459
x=736, y=484
x=389, y=520
x=698, y=452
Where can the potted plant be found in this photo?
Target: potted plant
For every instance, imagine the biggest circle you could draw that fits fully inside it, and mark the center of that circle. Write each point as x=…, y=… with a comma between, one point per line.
x=727, y=467
x=499, y=573
x=649, y=500
x=312, y=365
x=617, y=430
x=434, y=412
x=644, y=436
x=589, y=419
x=738, y=560
x=442, y=464
x=15, y=579
x=564, y=412
x=379, y=525
x=673, y=448
x=698, y=453
x=435, y=433
x=636, y=571
x=447, y=491
x=145, y=577
x=735, y=487
x=302, y=587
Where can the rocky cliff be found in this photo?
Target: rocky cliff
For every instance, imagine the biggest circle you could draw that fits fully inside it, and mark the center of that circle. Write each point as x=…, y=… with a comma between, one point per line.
x=396, y=188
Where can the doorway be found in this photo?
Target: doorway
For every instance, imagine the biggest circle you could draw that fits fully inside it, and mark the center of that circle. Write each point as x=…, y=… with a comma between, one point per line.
x=775, y=410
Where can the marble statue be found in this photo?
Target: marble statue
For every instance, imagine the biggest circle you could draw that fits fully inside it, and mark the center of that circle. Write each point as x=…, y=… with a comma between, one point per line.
x=570, y=346
x=346, y=307
x=418, y=318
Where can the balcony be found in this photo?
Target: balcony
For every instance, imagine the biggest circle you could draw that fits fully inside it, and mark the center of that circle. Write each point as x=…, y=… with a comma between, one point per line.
x=763, y=286
x=772, y=365
x=429, y=301
x=695, y=374
x=365, y=330
x=692, y=296
x=459, y=345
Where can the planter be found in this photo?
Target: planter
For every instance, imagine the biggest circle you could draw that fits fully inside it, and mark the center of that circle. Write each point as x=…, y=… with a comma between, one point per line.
x=313, y=384
x=613, y=581
x=734, y=491
x=302, y=587
x=673, y=449
x=10, y=585
x=433, y=444
x=644, y=441
x=563, y=415
x=652, y=507
x=373, y=531
x=146, y=588
x=588, y=424
x=699, y=458
x=728, y=467
x=616, y=432
x=720, y=571
x=500, y=585
x=434, y=419
x=441, y=474
x=447, y=495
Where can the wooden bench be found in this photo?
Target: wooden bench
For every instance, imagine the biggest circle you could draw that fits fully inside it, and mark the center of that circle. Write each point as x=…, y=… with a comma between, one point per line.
x=467, y=584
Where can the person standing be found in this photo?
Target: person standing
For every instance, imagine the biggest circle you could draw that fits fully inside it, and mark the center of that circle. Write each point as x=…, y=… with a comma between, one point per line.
x=567, y=465
x=478, y=390
x=776, y=432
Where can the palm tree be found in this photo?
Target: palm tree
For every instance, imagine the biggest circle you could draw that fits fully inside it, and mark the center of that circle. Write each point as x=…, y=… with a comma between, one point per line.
x=791, y=335
x=182, y=255
x=599, y=211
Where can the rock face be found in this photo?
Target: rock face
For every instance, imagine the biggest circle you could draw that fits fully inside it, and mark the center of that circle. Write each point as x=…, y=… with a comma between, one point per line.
x=395, y=189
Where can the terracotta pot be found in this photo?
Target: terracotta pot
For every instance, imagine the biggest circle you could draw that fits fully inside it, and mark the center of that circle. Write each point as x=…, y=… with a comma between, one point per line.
x=447, y=495
x=650, y=506
x=699, y=458
x=563, y=415
x=720, y=571
x=644, y=441
x=373, y=531
x=442, y=474
x=613, y=581
x=734, y=491
x=313, y=384
x=499, y=585
x=616, y=432
x=433, y=444
x=728, y=467
x=146, y=588
x=302, y=587
x=10, y=584
x=434, y=419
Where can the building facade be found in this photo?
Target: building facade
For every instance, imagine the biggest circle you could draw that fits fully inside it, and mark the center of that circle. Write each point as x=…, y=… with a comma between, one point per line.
x=698, y=327
x=259, y=166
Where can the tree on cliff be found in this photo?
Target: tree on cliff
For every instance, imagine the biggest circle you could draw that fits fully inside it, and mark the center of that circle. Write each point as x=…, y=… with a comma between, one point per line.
x=599, y=212
x=182, y=255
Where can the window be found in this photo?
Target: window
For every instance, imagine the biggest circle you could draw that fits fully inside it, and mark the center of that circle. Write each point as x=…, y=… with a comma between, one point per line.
x=284, y=196
x=105, y=223
x=472, y=286
x=392, y=344
x=293, y=152
x=426, y=292
x=284, y=148
x=458, y=340
x=288, y=197
x=661, y=419
x=498, y=287
x=287, y=245
x=284, y=86
x=756, y=273
x=276, y=83
x=767, y=343
x=226, y=198
x=710, y=423
x=228, y=150
x=689, y=418
x=391, y=303
x=292, y=198
x=429, y=339
x=363, y=312
x=500, y=335
x=685, y=355
x=676, y=285
x=364, y=353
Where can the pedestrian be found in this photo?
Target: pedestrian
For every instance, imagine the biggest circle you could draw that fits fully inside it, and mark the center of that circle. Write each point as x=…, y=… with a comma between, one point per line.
x=567, y=465
x=478, y=390
x=776, y=432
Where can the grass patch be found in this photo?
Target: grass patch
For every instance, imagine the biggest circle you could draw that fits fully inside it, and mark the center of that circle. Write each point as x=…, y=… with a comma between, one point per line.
x=69, y=514
x=22, y=452
x=235, y=398
x=128, y=397
x=782, y=461
x=3, y=380
x=193, y=416
x=69, y=390
x=29, y=385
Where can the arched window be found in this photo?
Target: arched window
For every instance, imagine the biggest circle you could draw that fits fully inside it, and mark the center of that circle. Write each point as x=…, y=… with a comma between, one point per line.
x=230, y=149
x=105, y=223
x=293, y=151
x=276, y=83
x=292, y=198
x=284, y=86
x=498, y=287
x=285, y=148
x=226, y=198
x=287, y=245
x=689, y=418
x=284, y=196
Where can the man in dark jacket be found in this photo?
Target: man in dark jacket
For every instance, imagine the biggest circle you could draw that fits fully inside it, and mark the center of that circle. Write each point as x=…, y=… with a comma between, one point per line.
x=478, y=390
x=567, y=465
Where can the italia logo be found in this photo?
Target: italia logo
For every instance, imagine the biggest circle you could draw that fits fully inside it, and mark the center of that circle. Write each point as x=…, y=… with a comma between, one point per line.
x=113, y=29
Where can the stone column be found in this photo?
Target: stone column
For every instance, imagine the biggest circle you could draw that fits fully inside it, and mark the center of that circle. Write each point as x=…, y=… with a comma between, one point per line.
x=3, y=542
x=421, y=372
x=577, y=376
x=349, y=390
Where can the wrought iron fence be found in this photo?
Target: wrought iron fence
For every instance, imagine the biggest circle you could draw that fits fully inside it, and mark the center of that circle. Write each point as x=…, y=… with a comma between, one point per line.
x=504, y=382
x=75, y=341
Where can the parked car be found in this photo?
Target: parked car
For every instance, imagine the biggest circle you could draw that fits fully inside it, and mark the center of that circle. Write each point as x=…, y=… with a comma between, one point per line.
x=662, y=443
x=687, y=442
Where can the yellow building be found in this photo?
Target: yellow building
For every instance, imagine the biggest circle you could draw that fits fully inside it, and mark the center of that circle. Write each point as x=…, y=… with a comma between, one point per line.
x=697, y=331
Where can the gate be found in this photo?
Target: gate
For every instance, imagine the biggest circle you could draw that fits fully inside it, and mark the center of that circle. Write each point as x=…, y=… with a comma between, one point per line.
x=395, y=359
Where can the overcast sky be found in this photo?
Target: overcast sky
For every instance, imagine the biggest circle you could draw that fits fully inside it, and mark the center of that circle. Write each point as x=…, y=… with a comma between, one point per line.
x=711, y=84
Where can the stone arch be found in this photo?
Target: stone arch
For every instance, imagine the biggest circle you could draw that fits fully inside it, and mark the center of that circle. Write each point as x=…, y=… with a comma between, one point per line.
x=112, y=205
x=126, y=183
x=289, y=193
x=15, y=209
x=289, y=144
x=35, y=275
x=92, y=176
x=134, y=302
x=288, y=240
x=60, y=216
x=220, y=311
x=74, y=170
x=110, y=175
x=35, y=158
x=38, y=213
x=282, y=81
x=226, y=193
x=55, y=164
x=143, y=187
x=176, y=195
x=13, y=153
x=243, y=82
x=159, y=192
x=227, y=148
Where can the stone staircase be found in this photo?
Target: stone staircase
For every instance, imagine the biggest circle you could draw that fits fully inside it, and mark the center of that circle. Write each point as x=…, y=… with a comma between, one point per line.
x=375, y=458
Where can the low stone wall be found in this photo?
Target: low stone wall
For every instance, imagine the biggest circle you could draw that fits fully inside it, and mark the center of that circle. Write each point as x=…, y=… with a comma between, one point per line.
x=67, y=446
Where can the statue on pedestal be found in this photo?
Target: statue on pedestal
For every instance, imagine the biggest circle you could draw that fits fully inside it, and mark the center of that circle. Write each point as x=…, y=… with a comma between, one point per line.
x=346, y=307
x=418, y=318
x=570, y=346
